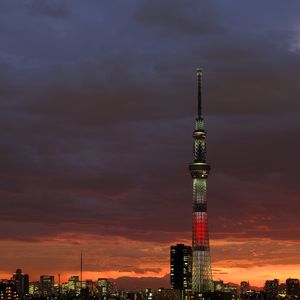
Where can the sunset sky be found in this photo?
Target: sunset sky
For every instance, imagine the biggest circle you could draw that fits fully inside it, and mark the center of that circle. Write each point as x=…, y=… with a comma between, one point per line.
x=98, y=101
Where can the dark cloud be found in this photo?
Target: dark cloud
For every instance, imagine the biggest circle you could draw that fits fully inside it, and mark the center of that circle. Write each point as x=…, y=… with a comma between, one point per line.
x=49, y=8
x=96, y=120
x=86, y=185
x=186, y=18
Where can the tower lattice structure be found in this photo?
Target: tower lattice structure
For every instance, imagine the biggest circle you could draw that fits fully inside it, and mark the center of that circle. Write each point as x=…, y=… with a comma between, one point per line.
x=199, y=169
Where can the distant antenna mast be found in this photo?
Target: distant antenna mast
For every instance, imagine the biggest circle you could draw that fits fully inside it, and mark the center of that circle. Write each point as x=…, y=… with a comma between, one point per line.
x=59, y=284
x=80, y=271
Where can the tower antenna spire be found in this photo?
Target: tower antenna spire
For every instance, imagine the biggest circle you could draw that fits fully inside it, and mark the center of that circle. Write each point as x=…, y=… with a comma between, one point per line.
x=81, y=272
x=199, y=81
x=199, y=168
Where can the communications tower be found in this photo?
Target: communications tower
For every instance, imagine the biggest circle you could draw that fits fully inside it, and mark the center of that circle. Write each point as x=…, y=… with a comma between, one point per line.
x=199, y=169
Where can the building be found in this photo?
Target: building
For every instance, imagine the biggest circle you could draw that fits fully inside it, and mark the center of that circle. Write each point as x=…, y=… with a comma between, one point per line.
x=102, y=287
x=34, y=288
x=168, y=294
x=218, y=285
x=8, y=290
x=282, y=289
x=47, y=285
x=230, y=291
x=199, y=169
x=22, y=282
x=292, y=287
x=131, y=295
x=149, y=294
x=74, y=284
x=88, y=287
x=271, y=288
x=181, y=267
x=244, y=287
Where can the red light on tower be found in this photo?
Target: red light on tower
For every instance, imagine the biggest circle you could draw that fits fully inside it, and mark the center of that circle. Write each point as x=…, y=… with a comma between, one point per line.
x=199, y=231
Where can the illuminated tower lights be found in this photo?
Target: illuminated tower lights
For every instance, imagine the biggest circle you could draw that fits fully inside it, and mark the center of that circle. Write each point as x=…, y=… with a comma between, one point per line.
x=199, y=169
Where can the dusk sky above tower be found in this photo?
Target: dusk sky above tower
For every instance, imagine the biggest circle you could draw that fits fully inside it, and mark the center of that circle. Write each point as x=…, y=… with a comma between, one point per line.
x=98, y=101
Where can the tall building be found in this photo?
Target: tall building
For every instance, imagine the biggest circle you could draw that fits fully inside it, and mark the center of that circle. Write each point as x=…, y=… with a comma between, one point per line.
x=199, y=168
x=47, y=284
x=292, y=287
x=102, y=286
x=271, y=288
x=181, y=267
x=22, y=282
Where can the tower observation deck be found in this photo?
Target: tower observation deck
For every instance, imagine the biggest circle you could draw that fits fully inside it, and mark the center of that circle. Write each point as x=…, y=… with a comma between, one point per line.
x=199, y=169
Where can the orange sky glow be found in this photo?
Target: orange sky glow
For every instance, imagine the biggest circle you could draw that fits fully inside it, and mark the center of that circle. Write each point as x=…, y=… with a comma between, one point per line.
x=235, y=260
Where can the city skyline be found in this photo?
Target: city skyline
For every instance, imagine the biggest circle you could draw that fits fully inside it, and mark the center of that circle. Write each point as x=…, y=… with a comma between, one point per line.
x=19, y=286
x=180, y=279
x=97, y=109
